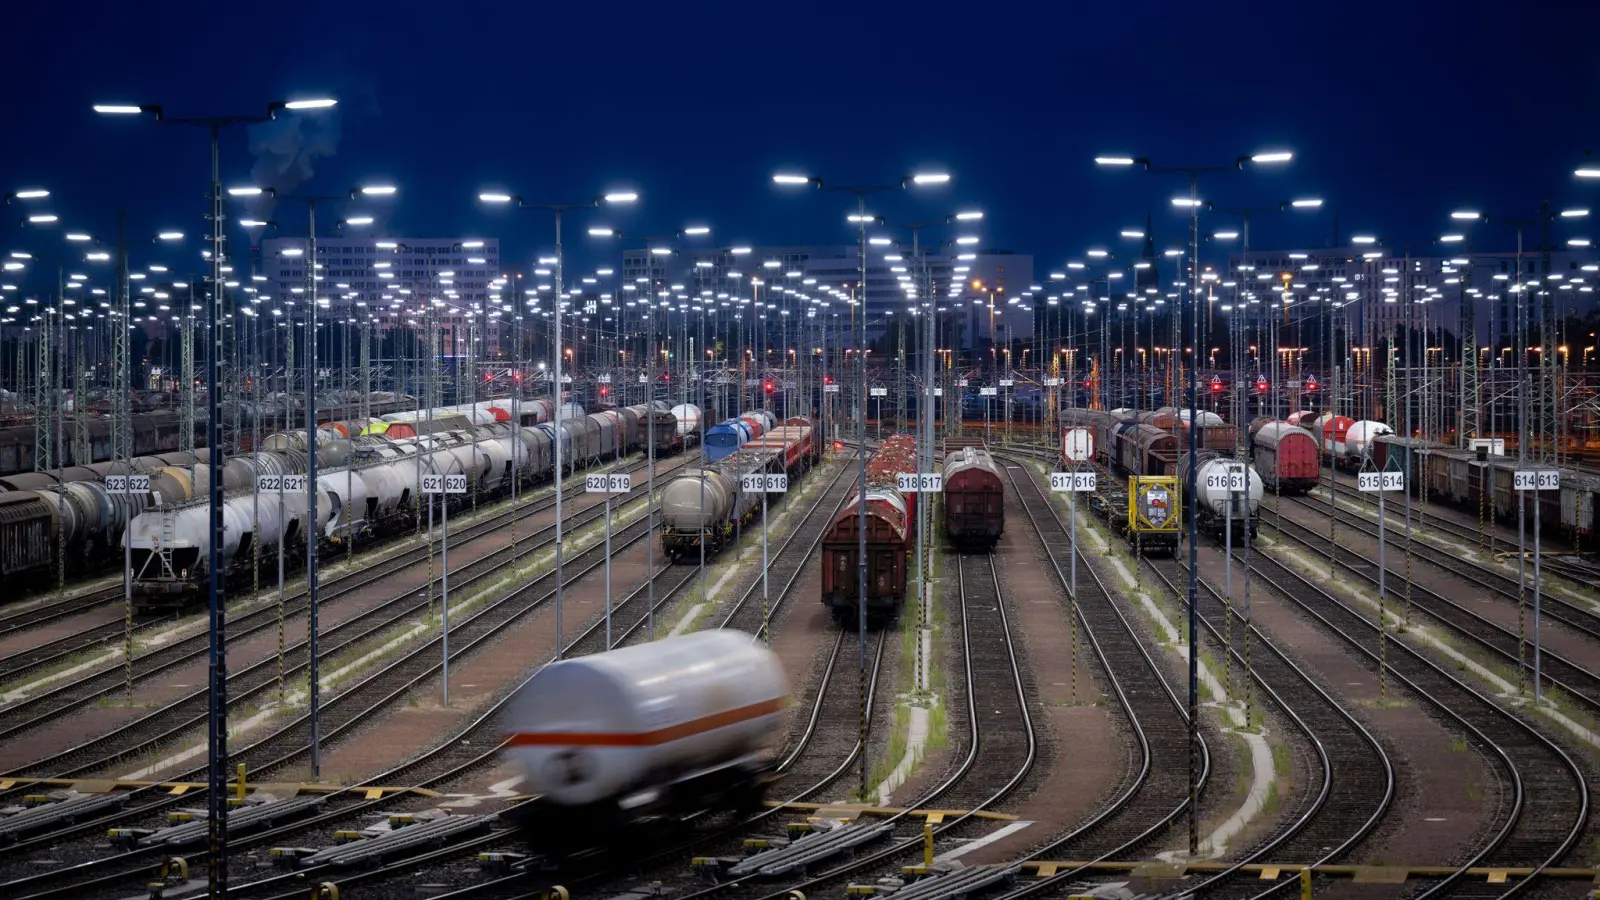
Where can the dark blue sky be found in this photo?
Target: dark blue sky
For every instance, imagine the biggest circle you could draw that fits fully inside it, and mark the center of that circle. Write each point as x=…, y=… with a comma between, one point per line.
x=1397, y=111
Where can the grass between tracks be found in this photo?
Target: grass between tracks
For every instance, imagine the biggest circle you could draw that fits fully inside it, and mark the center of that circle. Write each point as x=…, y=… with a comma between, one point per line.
x=263, y=593
x=354, y=663
x=784, y=516
x=908, y=692
x=1166, y=616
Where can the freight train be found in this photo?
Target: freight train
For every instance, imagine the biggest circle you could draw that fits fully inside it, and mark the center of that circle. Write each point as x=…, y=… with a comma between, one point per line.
x=704, y=506
x=646, y=734
x=157, y=430
x=71, y=509
x=889, y=514
x=1346, y=443
x=370, y=491
x=1285, y=456
x=974, y=496
x=727, y=436
x=1458, y=477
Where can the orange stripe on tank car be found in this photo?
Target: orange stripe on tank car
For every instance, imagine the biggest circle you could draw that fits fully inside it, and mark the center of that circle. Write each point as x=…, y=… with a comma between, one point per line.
x=646, y=738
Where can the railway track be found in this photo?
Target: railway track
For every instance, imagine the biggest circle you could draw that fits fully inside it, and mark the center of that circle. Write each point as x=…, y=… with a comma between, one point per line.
x=1579, y=618
x=669, y=580
x=1574, y=679
x=1565, y=564
x=340, y=714
x=62, y=650
x=1145, y=809
x=269, y=753
x=995, y=683
x=1356, y=787
x=44, y=708
x=1545, y=795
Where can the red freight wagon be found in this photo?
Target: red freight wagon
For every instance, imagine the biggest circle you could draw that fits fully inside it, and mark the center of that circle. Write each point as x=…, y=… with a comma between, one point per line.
x=974, y=498
x=888, y=514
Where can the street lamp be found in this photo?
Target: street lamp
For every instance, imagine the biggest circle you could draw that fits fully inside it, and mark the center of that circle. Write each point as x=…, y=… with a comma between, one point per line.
x=1193, y=203
x=217, y=737
x=861, y=192
x=558, y=210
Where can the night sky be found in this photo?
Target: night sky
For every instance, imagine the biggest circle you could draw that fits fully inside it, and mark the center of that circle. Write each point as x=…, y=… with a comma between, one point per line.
x=1398, y=112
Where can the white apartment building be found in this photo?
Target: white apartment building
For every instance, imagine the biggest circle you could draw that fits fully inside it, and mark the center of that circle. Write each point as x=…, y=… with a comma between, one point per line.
x=830, y=274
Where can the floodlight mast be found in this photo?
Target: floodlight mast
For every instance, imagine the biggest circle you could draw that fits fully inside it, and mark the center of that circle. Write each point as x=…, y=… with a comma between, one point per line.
x=217, y=732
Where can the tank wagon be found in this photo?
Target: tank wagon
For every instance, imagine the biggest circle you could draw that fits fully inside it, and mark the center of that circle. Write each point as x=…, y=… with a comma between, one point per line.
x=888, y=514
x=156, y=429
x=706, y=505
x=368, y=487
x=647, y=733
x=730, y=434
x=1216, y=507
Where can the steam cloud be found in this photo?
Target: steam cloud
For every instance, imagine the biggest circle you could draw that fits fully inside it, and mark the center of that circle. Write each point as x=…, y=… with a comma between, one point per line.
x=287, y=150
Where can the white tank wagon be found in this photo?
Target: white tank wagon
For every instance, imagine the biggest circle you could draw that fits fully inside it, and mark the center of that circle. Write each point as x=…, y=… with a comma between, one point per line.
x=674, y=726
x=1357, y=443
x=688, y=419
x=171, y=545
x=1212, y=488
x=705, y=502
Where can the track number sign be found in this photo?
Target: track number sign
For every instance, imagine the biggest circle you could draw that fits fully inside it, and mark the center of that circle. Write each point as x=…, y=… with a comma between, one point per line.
x=444, y=484
x=1532, y=480
x=266, y=484
x=613, y=483
x=603, y=379
x=830, y=389
x=1369, y=482
x=988, y=392
x=1052, y=382
x=878, y=392
x=1008, y=382
x=925, y=483
x=127, y=484
x=1071, y=482
x=764, y=483
x=1231, y=479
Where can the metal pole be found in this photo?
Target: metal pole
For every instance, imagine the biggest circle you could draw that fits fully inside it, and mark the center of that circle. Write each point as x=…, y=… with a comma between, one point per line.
x=555, y=386
x=314, y=688
x=1537, y=660
x=1194, y=568
x=650, y=455
x=217, y=774
x=444, y=586
x=861, y=496
x=608, y=560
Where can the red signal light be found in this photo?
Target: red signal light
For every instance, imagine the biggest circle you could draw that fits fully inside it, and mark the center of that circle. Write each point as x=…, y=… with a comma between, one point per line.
x=827, y=379
x=605, y=392
x=766, y=386
x=1310, y=385
x=1216, y=387
x=1261, y=386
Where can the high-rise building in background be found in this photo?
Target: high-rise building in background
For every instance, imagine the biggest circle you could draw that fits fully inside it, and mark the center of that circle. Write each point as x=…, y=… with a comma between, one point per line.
x=368, y=275
x=825, y=278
